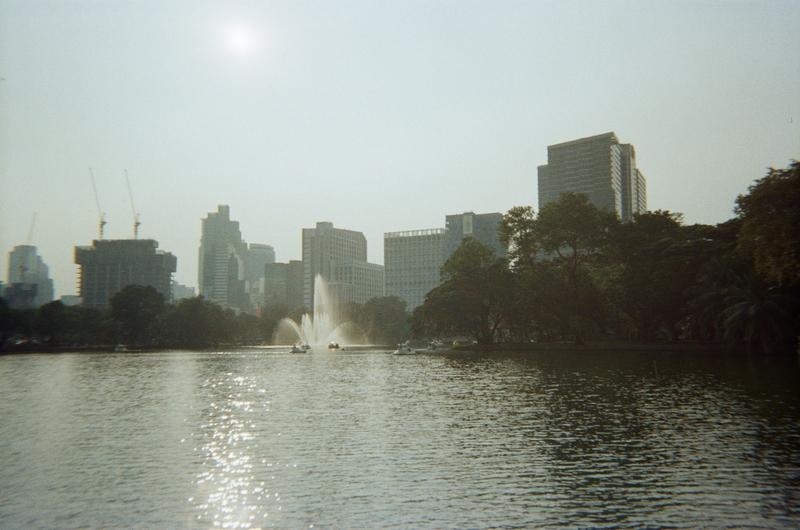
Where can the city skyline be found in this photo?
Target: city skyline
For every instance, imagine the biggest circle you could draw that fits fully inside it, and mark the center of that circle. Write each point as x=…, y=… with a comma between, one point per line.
x=347, y=113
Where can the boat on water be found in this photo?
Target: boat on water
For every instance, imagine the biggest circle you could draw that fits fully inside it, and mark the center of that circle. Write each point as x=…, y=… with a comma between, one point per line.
x=333, y=345
x=297, y=349
x=404, y=349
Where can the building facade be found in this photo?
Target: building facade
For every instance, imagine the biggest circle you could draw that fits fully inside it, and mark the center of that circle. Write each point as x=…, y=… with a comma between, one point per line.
x=231, y=272
x=358, y=281
x=601, y=168
x=324, y=248
x=28, y=279
x=413, y=260
x=283, y=285
x=481, y=227
x=181, y=292
x=109, y=265
x=340, y=257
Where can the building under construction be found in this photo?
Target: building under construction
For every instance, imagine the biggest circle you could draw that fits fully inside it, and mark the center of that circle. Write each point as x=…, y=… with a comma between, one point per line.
x=108, y=266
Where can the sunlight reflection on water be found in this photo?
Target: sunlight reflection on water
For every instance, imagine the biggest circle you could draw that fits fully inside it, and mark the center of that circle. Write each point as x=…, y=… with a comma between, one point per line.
x=249, y=439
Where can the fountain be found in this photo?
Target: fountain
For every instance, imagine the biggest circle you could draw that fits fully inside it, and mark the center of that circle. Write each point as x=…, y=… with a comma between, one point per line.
x=321, y=328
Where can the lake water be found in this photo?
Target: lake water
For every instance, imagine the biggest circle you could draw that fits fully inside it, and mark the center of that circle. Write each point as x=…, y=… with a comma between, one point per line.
x=262, y=438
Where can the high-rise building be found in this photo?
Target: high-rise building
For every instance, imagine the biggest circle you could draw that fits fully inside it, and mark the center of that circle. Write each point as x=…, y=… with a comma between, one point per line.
x=109, y=265
x=223, y=254
x=358, y=281
x=28, y=278
x=413, y=260
x=325, y=249
x=481, y=227
x=599, y=167
x=283, y=284
x=231, y=272
x=257, y=257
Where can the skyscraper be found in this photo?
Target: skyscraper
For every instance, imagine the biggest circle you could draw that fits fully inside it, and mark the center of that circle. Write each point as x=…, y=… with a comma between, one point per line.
x=28, y=278
x=222, y=259
x=413, y=260
x=327, y=249
x=599, y=167
x=231, y=272
x=481, y=227
x=283, y=285
x=110, y=265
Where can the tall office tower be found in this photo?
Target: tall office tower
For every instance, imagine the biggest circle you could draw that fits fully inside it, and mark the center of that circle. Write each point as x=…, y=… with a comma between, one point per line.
x=482, y=227
x=413, y=260
x=325, y=249
x=283, y=285
x=28, y=278
x=599, y=167
x=109, y=265
x=634, y=187
x=222, y=262
x=257, y=257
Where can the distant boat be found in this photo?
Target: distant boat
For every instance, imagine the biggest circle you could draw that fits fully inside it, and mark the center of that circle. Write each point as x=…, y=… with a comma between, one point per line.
x=297, y=349
x=333, y=345
x=404, y=349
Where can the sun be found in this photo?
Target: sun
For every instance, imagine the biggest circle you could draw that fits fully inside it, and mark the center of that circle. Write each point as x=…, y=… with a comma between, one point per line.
x=240, y=40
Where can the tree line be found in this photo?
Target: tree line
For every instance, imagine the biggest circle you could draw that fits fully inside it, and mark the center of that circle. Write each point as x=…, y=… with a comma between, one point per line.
x=138, y=317
x=576, y=273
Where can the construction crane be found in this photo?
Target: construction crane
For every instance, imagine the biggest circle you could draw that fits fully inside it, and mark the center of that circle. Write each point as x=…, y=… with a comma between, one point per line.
x=100, y=213
x=136, y=221
x=30, y=229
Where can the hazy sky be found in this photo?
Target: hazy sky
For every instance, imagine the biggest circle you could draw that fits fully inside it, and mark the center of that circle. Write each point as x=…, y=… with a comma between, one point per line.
x=377, y=116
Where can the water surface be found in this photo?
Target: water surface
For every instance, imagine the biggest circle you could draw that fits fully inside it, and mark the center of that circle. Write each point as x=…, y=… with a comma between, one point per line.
x=264, y=438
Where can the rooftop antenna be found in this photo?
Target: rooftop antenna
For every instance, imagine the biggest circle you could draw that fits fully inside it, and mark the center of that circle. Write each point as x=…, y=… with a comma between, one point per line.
x=30, y=229
x=100, y=213
x=136, y=221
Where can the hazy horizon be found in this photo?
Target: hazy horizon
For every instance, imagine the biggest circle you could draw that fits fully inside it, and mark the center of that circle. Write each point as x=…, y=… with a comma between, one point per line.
x=378, y=117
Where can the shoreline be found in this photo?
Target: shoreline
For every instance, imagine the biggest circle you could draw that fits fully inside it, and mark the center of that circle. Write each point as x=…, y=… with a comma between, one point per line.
x=534, y=347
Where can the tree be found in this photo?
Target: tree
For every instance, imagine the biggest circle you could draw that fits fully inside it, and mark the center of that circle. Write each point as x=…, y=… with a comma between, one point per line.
x=136, y=308
x=384, y=319
x=574, y=232
x=197, y=323
x=51, y=321
x=770, y=233
x=518, y=233
x=659, y=259
x=475, y=297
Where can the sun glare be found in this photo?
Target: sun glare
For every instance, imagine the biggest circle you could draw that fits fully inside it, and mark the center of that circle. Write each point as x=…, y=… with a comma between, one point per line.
x=240, y=40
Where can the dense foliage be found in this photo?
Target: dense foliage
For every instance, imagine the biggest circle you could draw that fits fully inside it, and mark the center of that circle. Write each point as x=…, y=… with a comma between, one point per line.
x=575, y=273
x=139, y=318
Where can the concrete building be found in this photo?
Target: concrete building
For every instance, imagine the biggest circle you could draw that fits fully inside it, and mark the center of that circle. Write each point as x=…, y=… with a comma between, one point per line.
x=231, y=272
x=325, y=249
x=482, y=227
x=258, y=256
x=601, y=168
x=181, y=292
x=413, y=260
x=26, y=269
x=358, y=281
x=109, y=265
x=71, y=299
x=283, y=285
